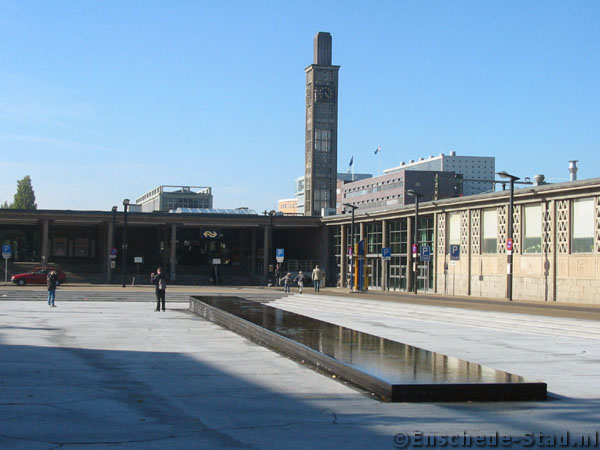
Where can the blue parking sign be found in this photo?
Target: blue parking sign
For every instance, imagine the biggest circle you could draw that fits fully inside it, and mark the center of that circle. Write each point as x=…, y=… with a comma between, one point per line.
x=386, y=253
x=6, y=249
x=454, y=252
x=425, y=253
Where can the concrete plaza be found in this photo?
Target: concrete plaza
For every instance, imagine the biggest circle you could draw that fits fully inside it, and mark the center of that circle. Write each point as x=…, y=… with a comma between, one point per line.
x=103, y=370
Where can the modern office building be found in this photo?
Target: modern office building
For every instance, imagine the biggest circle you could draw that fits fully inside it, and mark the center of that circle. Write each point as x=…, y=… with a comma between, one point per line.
x=390, y=190
x=321, y=129
x=166, y=198
x=472, y=168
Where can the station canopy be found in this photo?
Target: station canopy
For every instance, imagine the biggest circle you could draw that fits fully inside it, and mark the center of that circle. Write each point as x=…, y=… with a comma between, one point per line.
x=241, y=211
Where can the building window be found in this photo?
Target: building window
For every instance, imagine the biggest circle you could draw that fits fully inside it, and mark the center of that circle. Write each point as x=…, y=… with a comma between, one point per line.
x=454, y=228
x=397, y=236
x=489, y=238
x=582, y=226
x=374, y=238
x=532, y=237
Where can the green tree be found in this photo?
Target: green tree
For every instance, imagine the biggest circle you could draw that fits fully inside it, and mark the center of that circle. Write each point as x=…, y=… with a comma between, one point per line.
x=25, y=197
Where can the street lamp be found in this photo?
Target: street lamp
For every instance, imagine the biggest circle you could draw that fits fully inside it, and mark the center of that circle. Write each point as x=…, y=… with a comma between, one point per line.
x=124, y=261
x=112, y=239
x=270, y=254
x=509, y=271
x=417, y=196
x=353, y=207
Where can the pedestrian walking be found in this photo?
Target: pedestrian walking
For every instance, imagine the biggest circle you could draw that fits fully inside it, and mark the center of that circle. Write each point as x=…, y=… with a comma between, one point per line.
x=287, y=281
x=160, y=282
x=317, y=276
x=300, y=280
x=52, y=281
x=277, y=273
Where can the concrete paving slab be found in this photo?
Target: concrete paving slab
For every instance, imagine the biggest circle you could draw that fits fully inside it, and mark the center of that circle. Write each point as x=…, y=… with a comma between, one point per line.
x=119, y=375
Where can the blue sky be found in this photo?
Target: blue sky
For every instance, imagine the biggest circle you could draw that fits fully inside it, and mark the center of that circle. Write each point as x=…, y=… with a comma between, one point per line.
x=104, y=100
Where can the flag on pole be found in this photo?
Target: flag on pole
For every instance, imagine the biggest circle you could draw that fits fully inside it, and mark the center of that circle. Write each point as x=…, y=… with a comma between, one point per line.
x=378, y=149
x=351, y=161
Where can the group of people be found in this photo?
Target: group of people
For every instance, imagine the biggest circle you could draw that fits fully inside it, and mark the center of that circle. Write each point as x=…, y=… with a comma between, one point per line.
x=287, y=280
x=159, y=280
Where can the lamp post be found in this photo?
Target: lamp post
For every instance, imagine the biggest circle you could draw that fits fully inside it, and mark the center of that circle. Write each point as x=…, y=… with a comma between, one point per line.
x=271, y=214
x=124, y=261
x=509, y=269
x=112, y=239
x=353, y=207
x=416, y=195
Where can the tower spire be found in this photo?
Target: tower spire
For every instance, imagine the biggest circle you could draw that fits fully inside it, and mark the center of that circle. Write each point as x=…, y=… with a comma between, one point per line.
x=322, y=51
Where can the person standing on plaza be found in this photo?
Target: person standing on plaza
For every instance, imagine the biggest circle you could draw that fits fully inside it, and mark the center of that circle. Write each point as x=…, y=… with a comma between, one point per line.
x=317, y=276
x=300, y=280
x=286, y=280
x=160, y=282
x=52, y=281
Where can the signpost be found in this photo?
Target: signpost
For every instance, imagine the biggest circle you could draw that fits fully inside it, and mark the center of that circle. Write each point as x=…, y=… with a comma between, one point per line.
x=454, y=252
x=386, y=253
x=509, y=246
x=6, y=252
x=425, y=253
x=113, y=253
x=425, y=256
x=415, y=249
x=279, y=254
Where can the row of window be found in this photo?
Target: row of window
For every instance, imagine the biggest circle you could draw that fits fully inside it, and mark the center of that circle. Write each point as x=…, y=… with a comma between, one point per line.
x=582, y=228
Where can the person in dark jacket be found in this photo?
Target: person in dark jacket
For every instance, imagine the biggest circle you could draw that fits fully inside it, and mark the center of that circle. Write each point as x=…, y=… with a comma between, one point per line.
x=52, y=281
x=160, y=282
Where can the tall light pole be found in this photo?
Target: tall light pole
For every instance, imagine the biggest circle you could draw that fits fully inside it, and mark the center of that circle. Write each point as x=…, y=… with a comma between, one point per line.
x=416, y=195
x=112, y=239
x=124, y=261
x=353, y=207
x=271, y=214
x=509, y=256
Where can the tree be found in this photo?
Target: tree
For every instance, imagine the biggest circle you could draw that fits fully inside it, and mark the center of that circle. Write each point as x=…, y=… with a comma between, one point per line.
x=5, y=205
x=25, y=197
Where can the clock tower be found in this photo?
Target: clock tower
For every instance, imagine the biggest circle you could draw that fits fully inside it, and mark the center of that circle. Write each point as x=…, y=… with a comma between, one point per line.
x=320, y=162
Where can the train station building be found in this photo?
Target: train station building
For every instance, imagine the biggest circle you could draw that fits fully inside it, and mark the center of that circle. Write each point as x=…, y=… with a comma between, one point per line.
x=555, y=244
x=186, y=244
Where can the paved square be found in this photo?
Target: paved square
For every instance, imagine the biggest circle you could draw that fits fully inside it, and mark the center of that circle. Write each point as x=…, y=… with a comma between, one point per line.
x=119, y=375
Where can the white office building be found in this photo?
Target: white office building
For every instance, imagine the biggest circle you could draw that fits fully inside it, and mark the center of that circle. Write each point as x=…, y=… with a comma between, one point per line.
x=472, y=168
x=166, y=198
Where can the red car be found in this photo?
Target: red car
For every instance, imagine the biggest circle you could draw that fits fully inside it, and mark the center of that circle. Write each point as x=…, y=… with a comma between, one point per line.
x=38, y=276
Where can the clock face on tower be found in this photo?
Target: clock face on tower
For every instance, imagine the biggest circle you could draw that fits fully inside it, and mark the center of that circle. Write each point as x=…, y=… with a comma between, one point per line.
x=324, y=94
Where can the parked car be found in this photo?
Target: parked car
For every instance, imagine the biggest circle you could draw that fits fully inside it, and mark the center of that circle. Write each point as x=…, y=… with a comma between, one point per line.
x=38, y=276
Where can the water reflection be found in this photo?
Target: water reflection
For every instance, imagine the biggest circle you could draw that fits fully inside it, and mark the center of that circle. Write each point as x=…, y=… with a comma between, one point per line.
x=390, y=361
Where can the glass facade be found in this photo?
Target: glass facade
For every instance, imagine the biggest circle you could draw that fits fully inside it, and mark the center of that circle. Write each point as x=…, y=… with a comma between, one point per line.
x=398, y=239
x=24, y=241
x=374, y=238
